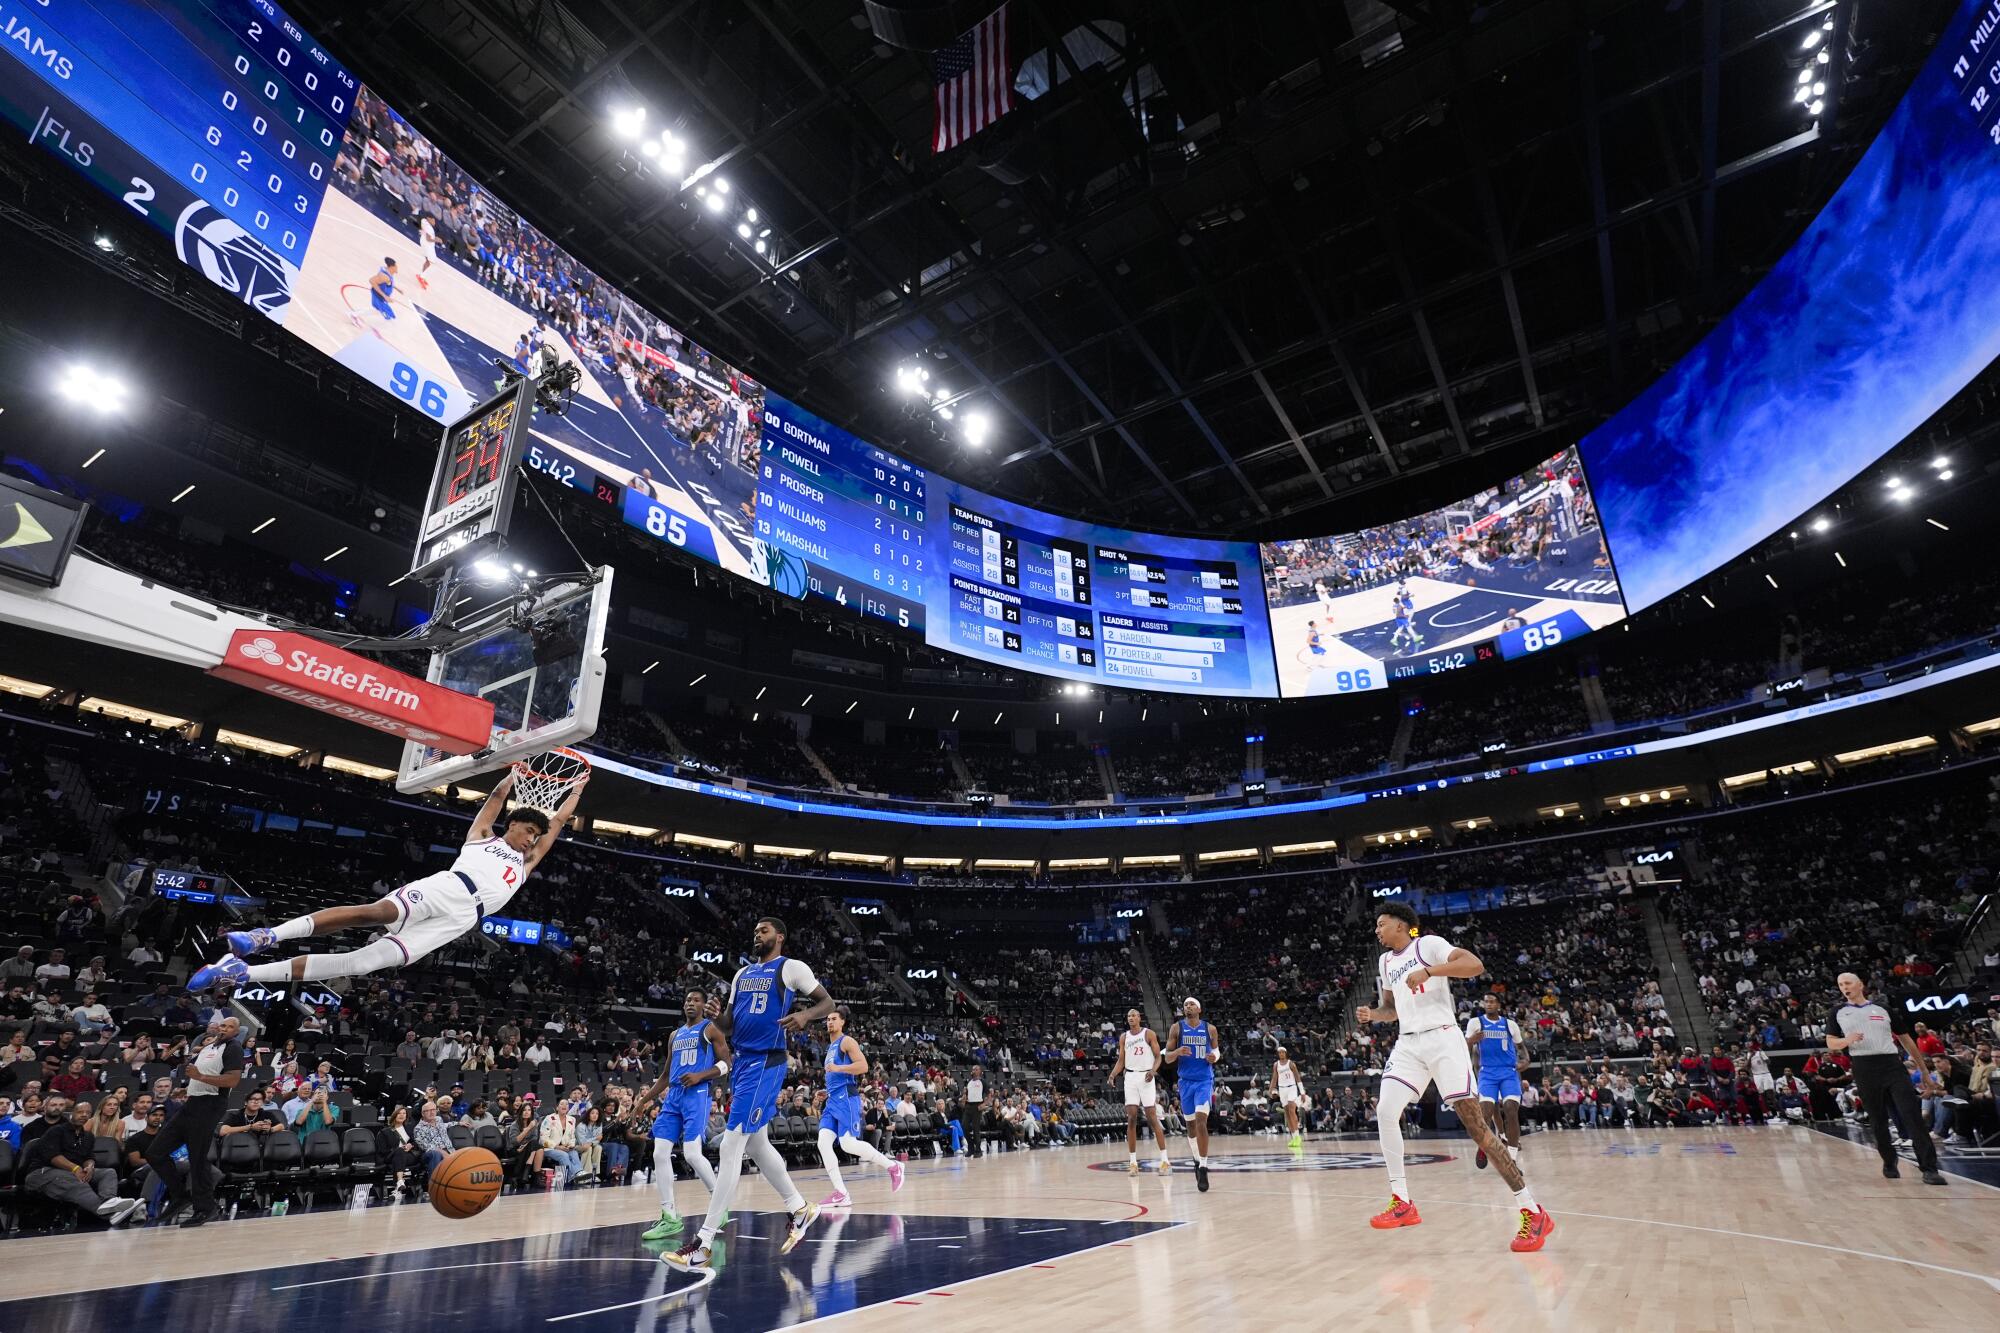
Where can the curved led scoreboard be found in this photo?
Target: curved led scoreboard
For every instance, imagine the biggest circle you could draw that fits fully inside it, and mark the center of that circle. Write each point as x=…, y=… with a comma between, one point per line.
x=217, y=122
x=285, y=181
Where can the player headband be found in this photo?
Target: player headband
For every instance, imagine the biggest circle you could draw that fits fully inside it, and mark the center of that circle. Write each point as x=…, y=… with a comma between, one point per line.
x=1190, y=1000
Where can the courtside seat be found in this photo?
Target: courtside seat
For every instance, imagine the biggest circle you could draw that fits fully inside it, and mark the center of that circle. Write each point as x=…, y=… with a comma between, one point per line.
x=241, y=1160
x=490, y=1138
x=460, y=1136
x=361, y=1162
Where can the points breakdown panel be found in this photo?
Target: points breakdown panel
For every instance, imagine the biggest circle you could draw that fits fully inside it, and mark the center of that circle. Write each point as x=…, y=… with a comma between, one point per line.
x=1146, y=612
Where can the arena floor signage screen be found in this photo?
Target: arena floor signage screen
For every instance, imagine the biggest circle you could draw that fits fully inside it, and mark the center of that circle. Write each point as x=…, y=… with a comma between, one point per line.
x=1882, y=311
x=1510, y=571
x=282, y=179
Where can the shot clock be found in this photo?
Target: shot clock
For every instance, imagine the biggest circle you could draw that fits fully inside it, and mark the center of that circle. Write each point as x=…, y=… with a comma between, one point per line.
x=472, y=489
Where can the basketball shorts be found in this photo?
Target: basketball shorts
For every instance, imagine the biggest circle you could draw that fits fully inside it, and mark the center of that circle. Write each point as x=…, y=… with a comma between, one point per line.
x=1288, y=1096
x=382, y=307
x=754, y=1084
x=1197, y=1097
x=430, y=250
x=1438, y=1056
x=1499, y=1085
x=684, y=1115
x=1140, y=1090
x=842, y=1115
x=430, y=913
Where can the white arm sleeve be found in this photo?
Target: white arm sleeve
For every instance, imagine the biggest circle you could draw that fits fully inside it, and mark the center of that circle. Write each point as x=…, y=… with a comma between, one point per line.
x=1519, y=1039
x=1472, y=1027
x=798, y=978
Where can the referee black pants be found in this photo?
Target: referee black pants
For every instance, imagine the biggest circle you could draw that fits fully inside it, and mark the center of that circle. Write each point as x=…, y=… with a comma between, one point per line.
x=972, y=1121
x=1882, y=1083
x=194, y=1125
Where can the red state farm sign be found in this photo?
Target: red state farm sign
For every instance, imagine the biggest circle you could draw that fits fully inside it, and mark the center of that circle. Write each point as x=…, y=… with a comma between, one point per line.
x=318, y=675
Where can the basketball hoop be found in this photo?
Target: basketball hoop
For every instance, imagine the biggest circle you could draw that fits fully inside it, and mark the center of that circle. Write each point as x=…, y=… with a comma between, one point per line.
x=543, y=780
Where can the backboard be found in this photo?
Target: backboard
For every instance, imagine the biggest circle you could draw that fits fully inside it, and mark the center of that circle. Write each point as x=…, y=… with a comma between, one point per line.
x=543, y=670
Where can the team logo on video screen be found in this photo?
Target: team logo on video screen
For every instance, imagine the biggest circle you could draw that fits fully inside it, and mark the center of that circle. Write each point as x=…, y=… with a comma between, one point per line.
x=1284, y=1161
x=233, y=259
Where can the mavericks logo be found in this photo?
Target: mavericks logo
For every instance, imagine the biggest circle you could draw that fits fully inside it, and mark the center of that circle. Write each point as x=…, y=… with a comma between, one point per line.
x=234, y=260
x=1284, y=1161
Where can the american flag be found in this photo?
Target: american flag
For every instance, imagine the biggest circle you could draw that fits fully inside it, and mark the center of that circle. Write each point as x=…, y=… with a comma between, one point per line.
x=974, y=82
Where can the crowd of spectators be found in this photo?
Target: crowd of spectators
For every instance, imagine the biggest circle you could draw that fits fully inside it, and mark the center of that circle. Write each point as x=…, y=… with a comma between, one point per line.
x=1058, y=772
x=1185, y=762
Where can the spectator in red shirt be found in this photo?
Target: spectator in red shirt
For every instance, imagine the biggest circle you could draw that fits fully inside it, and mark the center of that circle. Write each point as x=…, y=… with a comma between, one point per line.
x=75, y=1081
x=1928, y=1041
x=1701, y=1108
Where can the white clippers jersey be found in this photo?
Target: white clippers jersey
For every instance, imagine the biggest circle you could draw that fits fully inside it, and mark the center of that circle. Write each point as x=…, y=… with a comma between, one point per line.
x=495, y=869
x=1138, y=1055
x=1288, y=1077
x=1431, y=1007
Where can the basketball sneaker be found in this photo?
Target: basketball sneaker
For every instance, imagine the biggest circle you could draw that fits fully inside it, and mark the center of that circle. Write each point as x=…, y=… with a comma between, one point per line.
x=802, y=1222
x=1201, y=1177
x=1298, y=1141
x=1536, y=1227
x=227, y=969
x=1132, y=1166
x=668, y=1225
x=1479, y=1159
x=895, y=1176
x=249, y=943
x=692, y=1257
x=837, y=1199
x=1165, y=1166
x=1400, y=1213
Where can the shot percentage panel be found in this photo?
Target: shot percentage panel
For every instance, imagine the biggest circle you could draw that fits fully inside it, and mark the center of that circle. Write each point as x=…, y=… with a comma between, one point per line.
x=1025, y=588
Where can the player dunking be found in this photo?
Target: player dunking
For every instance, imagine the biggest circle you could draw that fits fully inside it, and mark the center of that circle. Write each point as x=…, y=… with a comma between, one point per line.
x=1496, y=1041
x=1191, y=1045
x=1138, y=1056
x=423, y=916
x=1414, y=976
x=840, y=1119
x=1285, y=1080
x=758, y=1019
x=697, y=1055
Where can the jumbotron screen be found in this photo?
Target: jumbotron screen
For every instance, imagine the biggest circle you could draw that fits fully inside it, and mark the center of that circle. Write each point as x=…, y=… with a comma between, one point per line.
x=285, y=181
x=1513, y=570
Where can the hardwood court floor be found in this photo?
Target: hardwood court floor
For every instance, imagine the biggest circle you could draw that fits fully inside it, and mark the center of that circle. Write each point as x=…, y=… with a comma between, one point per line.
x=1713, y=1229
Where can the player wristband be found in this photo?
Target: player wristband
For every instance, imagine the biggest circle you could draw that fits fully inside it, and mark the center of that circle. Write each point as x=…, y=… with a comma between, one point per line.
x=721, y=1067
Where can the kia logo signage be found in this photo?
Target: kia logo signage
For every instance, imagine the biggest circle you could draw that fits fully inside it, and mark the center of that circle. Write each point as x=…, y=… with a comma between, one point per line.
x=1655, y=858
x=706, y=955
x=922, y=974
x=305, y=671
x=865, y=911
x=1786, y=686
x=1492, y=747
x=1389, y=891
x=268, y=994
x=677, y=891
x=1128, y=914
x=1918, y=1004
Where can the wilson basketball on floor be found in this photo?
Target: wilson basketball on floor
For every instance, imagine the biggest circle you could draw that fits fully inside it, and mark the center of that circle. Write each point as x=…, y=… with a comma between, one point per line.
x=465, y=1183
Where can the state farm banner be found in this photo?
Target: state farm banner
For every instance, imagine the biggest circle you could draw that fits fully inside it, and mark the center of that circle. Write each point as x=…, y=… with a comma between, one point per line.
x=318, y=675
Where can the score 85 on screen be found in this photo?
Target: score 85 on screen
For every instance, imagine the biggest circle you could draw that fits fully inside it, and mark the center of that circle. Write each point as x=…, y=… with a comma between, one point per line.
x=841, y=519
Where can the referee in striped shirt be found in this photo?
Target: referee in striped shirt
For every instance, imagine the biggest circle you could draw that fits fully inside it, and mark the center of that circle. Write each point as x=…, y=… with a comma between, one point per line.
x=1870, y=1034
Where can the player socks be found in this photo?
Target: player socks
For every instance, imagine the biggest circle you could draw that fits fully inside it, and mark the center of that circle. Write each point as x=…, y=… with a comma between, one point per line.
x=296, y=929
x=1524, y=1198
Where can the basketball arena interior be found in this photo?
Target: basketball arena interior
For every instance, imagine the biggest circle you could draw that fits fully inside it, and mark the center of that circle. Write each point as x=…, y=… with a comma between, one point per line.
x=721, y=665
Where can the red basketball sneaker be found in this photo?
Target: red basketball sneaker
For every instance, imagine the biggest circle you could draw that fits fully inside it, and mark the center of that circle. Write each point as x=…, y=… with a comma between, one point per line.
x=1399, y=1213
x=1536, y=1227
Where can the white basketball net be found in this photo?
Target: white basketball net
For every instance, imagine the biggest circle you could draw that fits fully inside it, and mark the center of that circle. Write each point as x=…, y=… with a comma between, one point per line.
x=543, y=780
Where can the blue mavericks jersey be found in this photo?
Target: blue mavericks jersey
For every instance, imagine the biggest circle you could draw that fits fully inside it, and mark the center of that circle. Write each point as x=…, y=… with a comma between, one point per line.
x=1496, y=1043
x=692, y=1053
x=1194, y=1066
x=837, y=1084
x=759, y=1001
